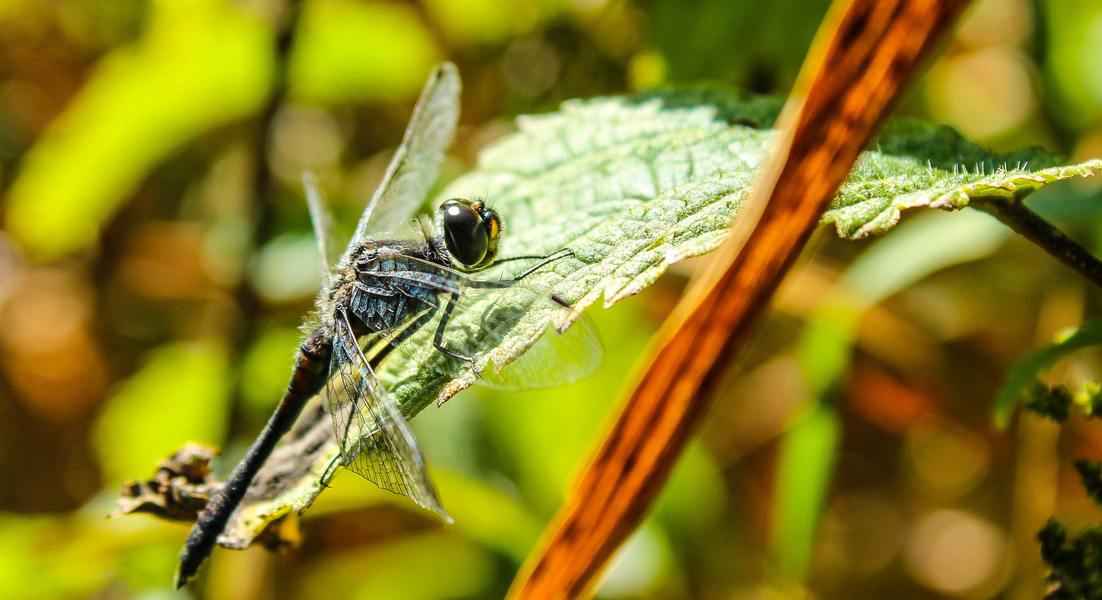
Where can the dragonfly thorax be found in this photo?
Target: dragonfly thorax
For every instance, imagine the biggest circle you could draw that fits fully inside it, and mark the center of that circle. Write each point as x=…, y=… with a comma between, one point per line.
x=389, y=281
x=386, y=281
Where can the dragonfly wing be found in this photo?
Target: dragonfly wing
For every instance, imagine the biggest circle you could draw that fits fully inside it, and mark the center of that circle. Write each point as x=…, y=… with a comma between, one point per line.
x=376, y=440
x=555, y=358
x=341, y=391
x=323, y=224
x=416, y=163
x=519, y=336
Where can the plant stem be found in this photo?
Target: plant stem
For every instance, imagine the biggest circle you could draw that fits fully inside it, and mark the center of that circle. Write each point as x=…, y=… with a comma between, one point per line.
x=263, y=187
x=1016, y=215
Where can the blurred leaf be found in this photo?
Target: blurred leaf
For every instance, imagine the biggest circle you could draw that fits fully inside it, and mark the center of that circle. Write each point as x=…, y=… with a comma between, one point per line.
x=923, y=246
x=445, y=566
x=351, y=50
x=199, y=64
x=1073, y=56
x=695, y=495
x=286, y=268
x=493, y=518
x=631, y=186
x=21, y=573
x=179, y=395
x=72, y=555
x=267, y=366
x=638, y=566
x=1025, y=373
x=927, y=244
x=543, y=457
x=825, y=346
x=470, y=22
x=804, y=471
x=762, y=44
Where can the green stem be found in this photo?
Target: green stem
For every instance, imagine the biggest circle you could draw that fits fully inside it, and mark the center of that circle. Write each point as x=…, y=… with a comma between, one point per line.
x=263, y=188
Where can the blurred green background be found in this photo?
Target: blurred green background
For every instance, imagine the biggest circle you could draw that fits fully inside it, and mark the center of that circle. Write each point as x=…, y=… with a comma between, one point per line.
x=149, y=298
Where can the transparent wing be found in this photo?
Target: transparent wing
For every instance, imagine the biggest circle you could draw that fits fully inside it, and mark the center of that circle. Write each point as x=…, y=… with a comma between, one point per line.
x=376, y=441
x=517, y=334
x=323, y=224
x=416, y=163
x=554, y=358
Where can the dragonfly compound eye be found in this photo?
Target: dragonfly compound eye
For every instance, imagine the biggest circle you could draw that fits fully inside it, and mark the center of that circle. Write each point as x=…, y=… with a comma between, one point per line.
x=470, y=232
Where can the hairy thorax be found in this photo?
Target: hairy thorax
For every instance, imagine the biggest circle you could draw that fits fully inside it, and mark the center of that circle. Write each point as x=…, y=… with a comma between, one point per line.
x=385, y=282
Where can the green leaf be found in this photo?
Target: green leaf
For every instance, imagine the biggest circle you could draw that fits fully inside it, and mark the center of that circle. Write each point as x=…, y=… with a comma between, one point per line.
x=633, y=185
x=179, y=395
x=924, y=245
x=447, y=566
x=929, y=243
x=1026, y=372
x=804, y=469
x=352, y=49
x=198, y=65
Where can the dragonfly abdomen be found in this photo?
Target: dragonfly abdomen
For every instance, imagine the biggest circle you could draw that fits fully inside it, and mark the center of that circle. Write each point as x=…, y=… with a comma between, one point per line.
x=312, y=363
x=309, y=377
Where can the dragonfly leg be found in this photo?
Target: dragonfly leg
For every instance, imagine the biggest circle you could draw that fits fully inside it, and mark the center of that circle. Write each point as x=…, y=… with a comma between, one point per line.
x=504, y=283
x=543, y=258
x=403, y=335
x=438, y=339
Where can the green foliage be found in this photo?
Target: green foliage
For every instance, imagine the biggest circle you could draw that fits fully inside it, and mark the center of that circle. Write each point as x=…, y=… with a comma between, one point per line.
x=1024, y=375
x=642, y=182
x=1074, y=565
x=445, y=566
x=759, y=34
x=128, y=119
x=805, y=467
x=348, y=51
x=198, y=66
x=1092, y=393
x=179, y=394
x=1090, y=473
x=923, y=246
x=1054, y=403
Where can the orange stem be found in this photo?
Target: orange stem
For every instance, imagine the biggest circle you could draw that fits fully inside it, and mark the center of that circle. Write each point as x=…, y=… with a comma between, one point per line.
x=851, y=78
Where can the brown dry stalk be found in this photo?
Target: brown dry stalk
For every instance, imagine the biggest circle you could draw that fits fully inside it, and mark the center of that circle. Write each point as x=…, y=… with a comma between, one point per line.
x=856, y=70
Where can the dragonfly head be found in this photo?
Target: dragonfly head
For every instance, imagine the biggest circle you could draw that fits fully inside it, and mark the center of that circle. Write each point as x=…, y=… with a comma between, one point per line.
x=471, y=231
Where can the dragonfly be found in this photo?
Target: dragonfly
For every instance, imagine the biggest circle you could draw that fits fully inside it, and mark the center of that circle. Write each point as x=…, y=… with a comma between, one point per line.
x=386, y=288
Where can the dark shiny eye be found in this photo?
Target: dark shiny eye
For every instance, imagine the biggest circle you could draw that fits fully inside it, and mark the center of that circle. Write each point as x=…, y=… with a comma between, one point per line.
x=466, y=232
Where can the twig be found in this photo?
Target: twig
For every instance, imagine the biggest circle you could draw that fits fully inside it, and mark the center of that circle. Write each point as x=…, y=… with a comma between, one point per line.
x=1016, y=215
x=263, y=206
x=858, y=66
